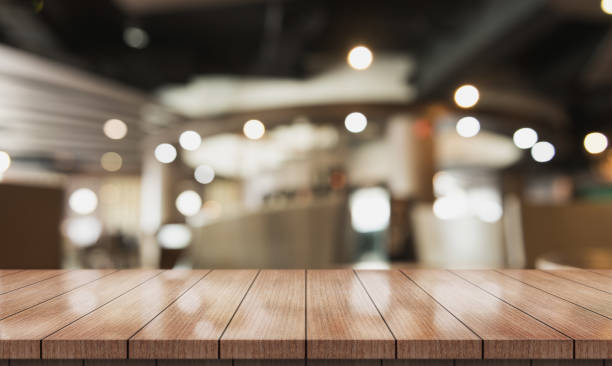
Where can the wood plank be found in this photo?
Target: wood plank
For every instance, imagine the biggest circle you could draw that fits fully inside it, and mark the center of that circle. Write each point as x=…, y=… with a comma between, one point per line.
x=194, y=363
x=269, y=362
x=20, y=334
x=605, y=272
x=408, y=311
x=192, y=326
x=417, y=363
x=342, y=321
x=567, y=363
x=104, y=333
x=507, y=333
x=25, y=278
x=493, y=363
x=270, y=323
x=587, y=297
x=343, y=362
x=4, y=272
x=592, y=332
x=587, y=278
x=46, y=363
x=119, y=363
x=26, y=297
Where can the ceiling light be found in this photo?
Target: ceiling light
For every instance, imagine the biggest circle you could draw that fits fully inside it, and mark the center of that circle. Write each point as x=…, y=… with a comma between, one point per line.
x=360, y=58
x=190, y=140
x=254, y=129
x=543, y=151
x=355, y=122
x=466, y=96
x=468, y=127
x=188, y=203
x=595, y=142
x=83, y=201
x=115, y=129
x=525, y=138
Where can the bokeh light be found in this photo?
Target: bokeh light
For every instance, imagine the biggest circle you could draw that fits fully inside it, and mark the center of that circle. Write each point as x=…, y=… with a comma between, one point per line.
x=450, y=207
x=115, y=129
x=135, y=37
x=370, y=209
x=543, y=151
x=525, y=138
x=5, y=162
x=174, y=236
x=595, y=142
x=468, y=127
x=355, y=122
x=254, y=129
x=165, y=153
x=204, y=174
x=360, y=58
x=83, y=201
x=111, y=161
x=466, y=96
x=190, y=140
x=606, y=6
x=188, y=203
x=83, y=231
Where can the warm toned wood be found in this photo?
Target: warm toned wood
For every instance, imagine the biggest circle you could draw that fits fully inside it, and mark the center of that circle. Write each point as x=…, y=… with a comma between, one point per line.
x=269, y=362
x=422, y=327
x=119, y=363
x=567, y=363
x=270, y=322
x=342, y=321
x=26, y=297
x=103, y=334
x=587, y=278
x=343, y=363
x=492, y=363
x=605, y=272
x=592, y=333
x=4, y=272
x=191, y=327
x=194, y=363
x=20, y=334
x=587, y=297
x=25, y=278
x=46, y=363
x=506, y=332
x=417, y=363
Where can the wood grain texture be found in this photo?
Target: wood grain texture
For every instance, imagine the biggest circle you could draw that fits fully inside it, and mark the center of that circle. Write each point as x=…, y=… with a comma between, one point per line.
x=191, y=327
x=26, y=297
x=104, y=333
x=587, y=278
x=342, y=321
x=587, y=297
x=20, y=334
x=17, y=280
x=343, y=362
x=46, y=363
x=492, y=363
x=119, y=363
x=592, y=333
x=507, y=333
x=270, y=322
x=567, y=363
x=194, y=362
x=269, y=362
x=417, y=363
x=4, y=272
x=422, y=327
x=604, y=272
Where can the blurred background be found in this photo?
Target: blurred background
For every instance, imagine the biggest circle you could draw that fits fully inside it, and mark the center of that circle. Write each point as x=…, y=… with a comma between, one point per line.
x=317, y=134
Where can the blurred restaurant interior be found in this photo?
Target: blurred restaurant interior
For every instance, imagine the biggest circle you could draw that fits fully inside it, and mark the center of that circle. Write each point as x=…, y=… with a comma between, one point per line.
x=305, y=134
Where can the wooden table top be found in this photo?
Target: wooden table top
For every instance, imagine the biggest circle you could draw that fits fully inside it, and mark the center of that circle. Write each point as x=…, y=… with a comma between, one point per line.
x=297, y=314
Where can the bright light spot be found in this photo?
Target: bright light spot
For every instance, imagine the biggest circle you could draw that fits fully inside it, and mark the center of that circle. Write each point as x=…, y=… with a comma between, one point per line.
x=595, y=142
x=489, y=211
x=254, y=129
x=115, y=129
x=204, y=174
x=606, y=6
x=525, y=138
x=165, y=153
x=174, y=236
x=543, y=151
x=188, y=203
x=111, y=161
x=450, y=207
x=444, y=183
x=370, y=209
x=360, y=58
x=355, y=122
x=468, y=127
x=5, y=162
x=135, y=37
x=83, y=231
x=83, y=201
x=190, y=140
x=466, y=96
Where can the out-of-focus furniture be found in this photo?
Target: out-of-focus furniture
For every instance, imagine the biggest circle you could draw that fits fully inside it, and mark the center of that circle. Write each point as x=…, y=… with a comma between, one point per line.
x=30, y=226
x=578, y=234
x=295, y=236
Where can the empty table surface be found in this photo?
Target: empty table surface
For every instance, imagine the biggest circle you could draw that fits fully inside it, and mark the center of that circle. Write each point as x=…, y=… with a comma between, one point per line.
x=313, y=314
